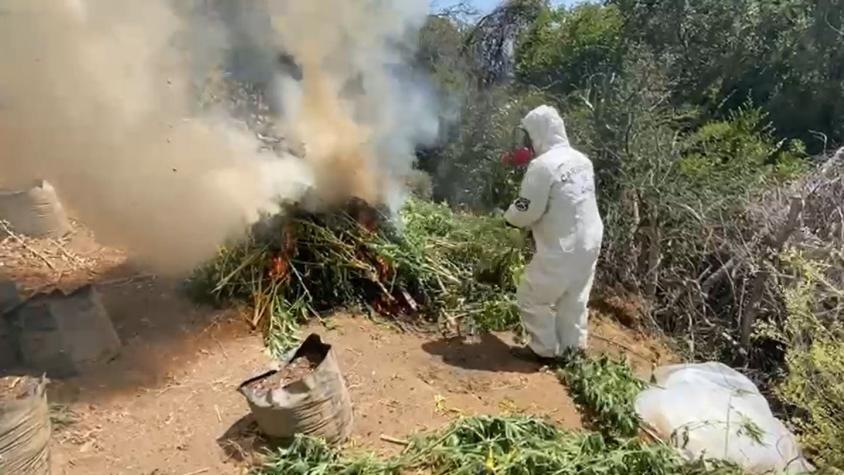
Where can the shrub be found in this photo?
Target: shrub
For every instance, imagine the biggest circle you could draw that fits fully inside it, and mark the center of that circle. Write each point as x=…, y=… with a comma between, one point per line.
x=469, y=171
x=814, y=337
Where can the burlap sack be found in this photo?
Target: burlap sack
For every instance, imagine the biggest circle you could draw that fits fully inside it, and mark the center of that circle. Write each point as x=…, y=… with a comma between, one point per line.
x=318, y=405
x=25, y=429
x=35, y=212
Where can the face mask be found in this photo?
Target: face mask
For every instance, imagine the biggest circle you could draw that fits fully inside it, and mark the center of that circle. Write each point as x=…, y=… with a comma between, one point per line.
x=522, y=152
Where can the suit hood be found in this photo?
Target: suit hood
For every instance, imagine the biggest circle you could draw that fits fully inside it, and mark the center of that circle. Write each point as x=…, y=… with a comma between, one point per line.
x=546, y=128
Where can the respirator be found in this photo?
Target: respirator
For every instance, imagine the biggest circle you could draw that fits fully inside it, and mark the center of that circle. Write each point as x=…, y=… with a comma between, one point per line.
x=522, y=151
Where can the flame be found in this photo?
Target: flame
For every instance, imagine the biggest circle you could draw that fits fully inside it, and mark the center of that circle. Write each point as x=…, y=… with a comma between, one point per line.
x=279, y=268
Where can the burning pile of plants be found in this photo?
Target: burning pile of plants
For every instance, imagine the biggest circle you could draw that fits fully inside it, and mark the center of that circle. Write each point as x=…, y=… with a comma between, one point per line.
x=427, y=261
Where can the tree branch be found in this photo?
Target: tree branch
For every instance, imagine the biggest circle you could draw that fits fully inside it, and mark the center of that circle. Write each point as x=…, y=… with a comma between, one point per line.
x=757, y=285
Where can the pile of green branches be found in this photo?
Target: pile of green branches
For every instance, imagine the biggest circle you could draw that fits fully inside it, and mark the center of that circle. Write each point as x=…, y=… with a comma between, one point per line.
x=607, y=389
x=494, y=445
x=428, y=261
x=520, y=445
x=312, y=456
x=480, y=261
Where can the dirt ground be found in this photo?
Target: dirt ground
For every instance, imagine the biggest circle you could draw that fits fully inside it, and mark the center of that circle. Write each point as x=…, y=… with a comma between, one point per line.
x=168, y=404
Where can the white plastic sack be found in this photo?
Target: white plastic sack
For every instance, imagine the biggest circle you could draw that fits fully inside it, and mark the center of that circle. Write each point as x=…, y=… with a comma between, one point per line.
x=710, y=410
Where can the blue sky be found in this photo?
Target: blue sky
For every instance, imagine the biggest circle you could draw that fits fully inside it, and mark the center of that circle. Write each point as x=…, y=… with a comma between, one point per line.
x=487, y=5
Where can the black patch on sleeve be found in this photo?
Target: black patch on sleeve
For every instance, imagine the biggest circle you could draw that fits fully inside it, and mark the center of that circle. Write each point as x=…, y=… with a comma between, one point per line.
x=522, y=204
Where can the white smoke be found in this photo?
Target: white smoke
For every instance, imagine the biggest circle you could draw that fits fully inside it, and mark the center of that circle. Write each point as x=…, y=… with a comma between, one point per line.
x=99, y=98
x=358, y=107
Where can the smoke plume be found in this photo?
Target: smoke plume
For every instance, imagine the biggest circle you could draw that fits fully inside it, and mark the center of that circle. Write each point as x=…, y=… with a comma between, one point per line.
x=103, y=99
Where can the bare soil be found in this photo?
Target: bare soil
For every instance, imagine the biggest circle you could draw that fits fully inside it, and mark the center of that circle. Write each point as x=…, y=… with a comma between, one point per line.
x=169, y=404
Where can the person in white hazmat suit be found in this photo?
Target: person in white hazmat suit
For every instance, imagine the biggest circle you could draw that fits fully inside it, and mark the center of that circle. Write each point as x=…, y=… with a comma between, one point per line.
x=557, y=204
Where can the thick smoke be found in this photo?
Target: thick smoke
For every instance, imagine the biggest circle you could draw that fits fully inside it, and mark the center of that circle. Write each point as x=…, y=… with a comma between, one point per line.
x=99, y=97
x=358, y=107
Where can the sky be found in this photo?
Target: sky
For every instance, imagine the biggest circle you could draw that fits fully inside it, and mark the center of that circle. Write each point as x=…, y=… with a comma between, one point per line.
x=487, y=5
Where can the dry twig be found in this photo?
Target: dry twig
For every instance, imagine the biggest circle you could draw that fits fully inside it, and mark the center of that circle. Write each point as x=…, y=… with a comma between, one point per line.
x=6, y=229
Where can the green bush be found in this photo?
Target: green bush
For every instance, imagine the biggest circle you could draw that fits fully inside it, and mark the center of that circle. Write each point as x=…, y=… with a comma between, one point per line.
x=564, y=48
x=674, y=201
x=738, y=155
x=814, y=338
x=470, y=172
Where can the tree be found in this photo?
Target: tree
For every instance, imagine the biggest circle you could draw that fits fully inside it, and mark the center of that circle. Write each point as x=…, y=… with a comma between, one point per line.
x=565, y=48
x=784, y=55
x=493, y=41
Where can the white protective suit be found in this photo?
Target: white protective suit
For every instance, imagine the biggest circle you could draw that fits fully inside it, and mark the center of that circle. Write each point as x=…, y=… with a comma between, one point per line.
x=557, y=203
